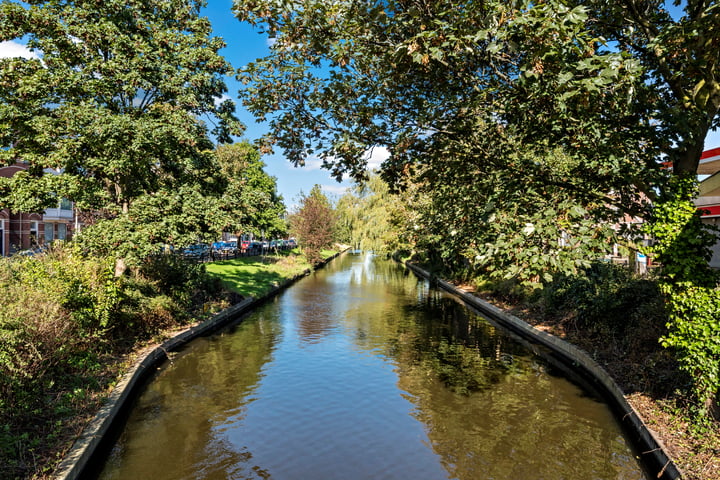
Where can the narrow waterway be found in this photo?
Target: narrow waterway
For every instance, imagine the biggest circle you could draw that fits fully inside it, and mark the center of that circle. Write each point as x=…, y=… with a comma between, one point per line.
x=362, y=371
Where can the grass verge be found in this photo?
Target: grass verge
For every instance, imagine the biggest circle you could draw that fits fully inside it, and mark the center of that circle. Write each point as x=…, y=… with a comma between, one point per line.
x=256, y=276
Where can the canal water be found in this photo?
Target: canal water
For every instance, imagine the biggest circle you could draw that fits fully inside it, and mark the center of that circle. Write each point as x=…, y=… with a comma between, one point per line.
x=362, y=371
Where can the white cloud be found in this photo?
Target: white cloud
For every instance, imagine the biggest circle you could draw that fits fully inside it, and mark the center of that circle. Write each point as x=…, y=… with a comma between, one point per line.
x=376, y=156
x=271, y=41
x=10, y=49
x=312, y=163
x=336, y=189
x=219, y=100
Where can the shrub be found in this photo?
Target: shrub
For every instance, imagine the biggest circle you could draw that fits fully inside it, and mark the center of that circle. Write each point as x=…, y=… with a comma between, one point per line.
x=694, y=335
x=62, y=316
x=186, y=282
x=607, y=298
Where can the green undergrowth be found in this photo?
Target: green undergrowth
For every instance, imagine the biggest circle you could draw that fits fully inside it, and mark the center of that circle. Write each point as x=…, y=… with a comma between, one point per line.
x=66, y=325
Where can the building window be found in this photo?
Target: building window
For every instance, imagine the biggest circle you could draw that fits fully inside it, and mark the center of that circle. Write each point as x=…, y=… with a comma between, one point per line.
x=65, y=204
x=62, y=231
x=49, y=232
x=34, y=236
x=2, y=237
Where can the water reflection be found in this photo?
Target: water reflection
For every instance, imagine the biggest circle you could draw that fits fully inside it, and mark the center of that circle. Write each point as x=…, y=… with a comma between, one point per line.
x=361, y=371
x=182, y=416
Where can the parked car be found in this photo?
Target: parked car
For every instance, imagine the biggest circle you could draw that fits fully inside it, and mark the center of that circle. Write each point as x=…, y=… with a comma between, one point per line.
x=37, y=250
x=197, y=251
x=229, y=248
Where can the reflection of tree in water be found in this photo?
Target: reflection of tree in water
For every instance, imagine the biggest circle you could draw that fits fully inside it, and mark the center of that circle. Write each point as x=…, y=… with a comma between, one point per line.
x=179, y=427
x=457, y=347
x=364, y=299
x=315, y=316
x=490, y=408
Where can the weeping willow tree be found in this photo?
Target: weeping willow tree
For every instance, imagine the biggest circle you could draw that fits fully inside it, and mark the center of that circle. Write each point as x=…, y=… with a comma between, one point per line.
x=371, y=217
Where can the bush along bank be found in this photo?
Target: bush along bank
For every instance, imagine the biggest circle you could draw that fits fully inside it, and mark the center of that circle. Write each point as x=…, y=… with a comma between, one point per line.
x=621, y=320
x=66, y=326
x=69, y=329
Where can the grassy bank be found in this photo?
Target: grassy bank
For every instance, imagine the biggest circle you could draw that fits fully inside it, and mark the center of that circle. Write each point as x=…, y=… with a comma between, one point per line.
x=69, y=329
x=256, y=276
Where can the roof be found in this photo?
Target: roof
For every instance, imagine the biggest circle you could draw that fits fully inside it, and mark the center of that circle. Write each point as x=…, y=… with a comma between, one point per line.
x=709, y=162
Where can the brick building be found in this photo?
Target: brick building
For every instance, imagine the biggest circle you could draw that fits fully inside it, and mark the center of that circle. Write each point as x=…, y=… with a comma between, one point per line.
x=22, y=231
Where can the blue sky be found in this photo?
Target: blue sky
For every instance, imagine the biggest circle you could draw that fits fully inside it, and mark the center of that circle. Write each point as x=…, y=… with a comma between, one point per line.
x=245, y=44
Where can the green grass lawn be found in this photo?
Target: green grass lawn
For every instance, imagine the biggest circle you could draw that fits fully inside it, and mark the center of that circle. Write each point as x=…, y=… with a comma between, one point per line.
x=325, y=254
x=256, y=276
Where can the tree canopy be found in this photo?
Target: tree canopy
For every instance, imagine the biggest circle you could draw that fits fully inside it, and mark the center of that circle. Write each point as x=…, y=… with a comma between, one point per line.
x=313, y=223
x=515, y=123
x=116, y=103
x=250, y=199
x=370, y=217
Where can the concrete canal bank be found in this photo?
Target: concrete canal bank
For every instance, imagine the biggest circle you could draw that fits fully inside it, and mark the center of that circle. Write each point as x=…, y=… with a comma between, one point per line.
x=97, y=433
x=575, y=361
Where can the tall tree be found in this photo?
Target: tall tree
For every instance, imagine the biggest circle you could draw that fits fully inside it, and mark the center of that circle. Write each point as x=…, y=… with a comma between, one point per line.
x=251, y=199
x=313, y=223
x=472, y=96
x=113, y=103
x=370, y=217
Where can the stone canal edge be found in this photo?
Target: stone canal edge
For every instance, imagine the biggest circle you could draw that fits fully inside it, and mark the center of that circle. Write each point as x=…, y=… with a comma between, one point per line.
x=80, y=456
x=652, y=453
x=577, y=363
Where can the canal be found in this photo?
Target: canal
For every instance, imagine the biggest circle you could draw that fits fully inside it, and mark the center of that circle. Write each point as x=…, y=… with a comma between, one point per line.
x=363, y=371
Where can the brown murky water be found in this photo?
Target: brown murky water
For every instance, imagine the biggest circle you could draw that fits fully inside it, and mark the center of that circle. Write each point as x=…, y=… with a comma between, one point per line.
x=361, y=371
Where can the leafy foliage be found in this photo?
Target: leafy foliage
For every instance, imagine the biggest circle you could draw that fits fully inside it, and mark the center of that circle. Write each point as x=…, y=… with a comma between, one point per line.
x=313, y=224
x=113, y=106
x=51, y=323
x=691, y=288
x=607, y=299
x=534, y=129
x=370, y=217
x=64, y=318
x=694, y=333
x=513, y=123
x=250, y=200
